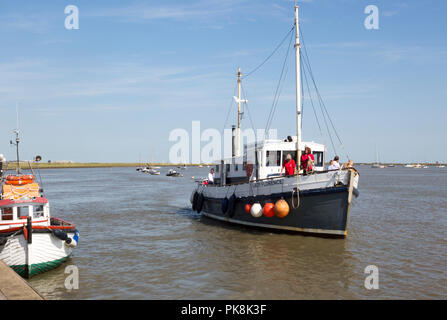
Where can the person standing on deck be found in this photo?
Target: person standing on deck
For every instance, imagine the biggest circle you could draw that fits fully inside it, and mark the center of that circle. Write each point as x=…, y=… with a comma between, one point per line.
x=289, y=166
x=336, y=162
x=211, y=176
x=332, y=166
x=307, y=160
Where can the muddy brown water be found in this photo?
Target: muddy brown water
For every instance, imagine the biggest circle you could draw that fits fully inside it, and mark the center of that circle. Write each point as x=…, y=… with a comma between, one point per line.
x=140, y=240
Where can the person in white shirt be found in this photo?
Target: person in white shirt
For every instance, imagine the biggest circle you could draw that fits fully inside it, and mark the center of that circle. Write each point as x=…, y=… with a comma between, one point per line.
x=332, y=166
x=336, y=163
x=211, y=176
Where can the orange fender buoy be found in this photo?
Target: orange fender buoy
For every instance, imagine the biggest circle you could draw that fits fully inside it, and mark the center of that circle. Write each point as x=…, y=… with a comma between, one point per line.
x=247, y=208
x=269, y=210
x=281, y=208
x=25, y=233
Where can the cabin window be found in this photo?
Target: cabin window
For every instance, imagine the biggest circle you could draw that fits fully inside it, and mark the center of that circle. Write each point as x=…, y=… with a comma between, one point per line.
x=22, y=212
x=228, y=167
x=217, y=168
x=6, y=213
x=236, y=167
x=318, y=155
x=38, y=212
x=273, y=158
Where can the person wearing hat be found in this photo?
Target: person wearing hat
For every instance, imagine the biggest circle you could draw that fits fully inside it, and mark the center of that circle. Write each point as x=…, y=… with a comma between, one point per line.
x=289, y=166
x=307, y=160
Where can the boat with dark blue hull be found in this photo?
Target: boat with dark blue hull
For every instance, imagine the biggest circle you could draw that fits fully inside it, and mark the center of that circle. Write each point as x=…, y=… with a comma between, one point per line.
x=249, y=188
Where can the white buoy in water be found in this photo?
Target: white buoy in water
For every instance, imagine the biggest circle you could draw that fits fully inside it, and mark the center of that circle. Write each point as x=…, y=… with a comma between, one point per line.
x=256, y=210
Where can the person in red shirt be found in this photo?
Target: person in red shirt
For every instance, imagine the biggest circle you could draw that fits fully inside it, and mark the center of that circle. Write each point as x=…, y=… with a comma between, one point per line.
x=289, y=166
x=307, y=160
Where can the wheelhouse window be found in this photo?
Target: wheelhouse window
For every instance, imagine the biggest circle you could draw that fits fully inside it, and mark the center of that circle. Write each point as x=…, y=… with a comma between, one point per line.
x=217, y=168
x=273, y=158
x=228, y=167
x=22, y=211
x=38, y=212
x=318, y=155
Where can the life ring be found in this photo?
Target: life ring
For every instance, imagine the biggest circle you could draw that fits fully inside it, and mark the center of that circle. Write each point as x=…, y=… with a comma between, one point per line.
x=199, y=203
x=17, y=178
x=18, y=182
x=249, y=169
x=231, y=206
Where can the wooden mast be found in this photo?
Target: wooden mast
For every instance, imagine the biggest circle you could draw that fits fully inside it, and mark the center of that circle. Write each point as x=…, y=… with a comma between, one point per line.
x=298, y=88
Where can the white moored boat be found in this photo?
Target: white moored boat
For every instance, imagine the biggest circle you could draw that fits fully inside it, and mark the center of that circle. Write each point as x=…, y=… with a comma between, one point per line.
x=31, y=241
x=249, y=189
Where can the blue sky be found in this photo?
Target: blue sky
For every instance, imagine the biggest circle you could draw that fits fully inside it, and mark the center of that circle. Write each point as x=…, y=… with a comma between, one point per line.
x=135, y=70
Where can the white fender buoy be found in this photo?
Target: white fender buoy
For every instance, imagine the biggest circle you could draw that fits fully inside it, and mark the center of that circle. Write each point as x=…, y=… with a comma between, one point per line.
x=256, y=210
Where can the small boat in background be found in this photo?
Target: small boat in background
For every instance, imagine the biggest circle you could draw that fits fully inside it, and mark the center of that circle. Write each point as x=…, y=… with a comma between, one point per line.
x=173, y=173
x=153, y=172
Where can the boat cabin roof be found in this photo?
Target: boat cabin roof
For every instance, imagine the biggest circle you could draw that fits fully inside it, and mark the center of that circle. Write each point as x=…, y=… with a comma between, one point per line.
x=27, y=202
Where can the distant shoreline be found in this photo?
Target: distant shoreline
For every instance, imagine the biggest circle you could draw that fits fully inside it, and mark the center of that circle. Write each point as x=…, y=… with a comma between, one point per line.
x=64, y=165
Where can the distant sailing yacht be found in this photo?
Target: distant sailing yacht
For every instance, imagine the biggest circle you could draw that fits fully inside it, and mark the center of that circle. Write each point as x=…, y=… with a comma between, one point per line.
x=377, y=165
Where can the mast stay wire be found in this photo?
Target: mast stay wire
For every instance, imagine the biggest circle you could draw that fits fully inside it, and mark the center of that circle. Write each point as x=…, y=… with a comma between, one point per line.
x=279, y=87
x=230, y=108
x=269, y=56
x=320, y=99
x=311, y=102
x=306, y=64
x=322, y=113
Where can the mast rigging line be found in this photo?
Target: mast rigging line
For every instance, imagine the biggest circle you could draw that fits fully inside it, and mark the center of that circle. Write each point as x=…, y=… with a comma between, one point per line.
x=229, y=108
x=312, y=103
x=279, y=87
x=320, y=99
x=303, y=72
x=270, y=55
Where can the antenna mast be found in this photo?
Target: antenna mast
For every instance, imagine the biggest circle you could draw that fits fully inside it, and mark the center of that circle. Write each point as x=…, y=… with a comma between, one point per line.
x=239, y=115
x=16, y=131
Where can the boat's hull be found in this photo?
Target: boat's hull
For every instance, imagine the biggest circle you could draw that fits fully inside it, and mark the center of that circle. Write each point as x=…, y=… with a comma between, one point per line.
x=323, y=210
x=44, y=253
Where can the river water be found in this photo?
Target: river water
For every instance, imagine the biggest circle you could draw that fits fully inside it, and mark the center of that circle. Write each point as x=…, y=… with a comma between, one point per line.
x=140, y=240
